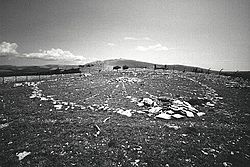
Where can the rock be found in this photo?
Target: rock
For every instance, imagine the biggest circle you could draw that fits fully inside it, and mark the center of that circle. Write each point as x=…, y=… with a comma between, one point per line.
x=106, y=108
x=98, y=130
x=174, y=108
x=175, y=127
x=140, y=104
x=163, y=116
x=22, y=155
x=58, y=106
x=170, y=112
x=154, y=109
x=101, y=108
x=18, y=84
x=106, y=119
x=32, y=96
x=200, y=114
x=65, y=103
x=189, y=114
x=127, y=112
x=4, y=125
x=135, y=163
x=148, y=101
x=91, y=108
x=189, y=106
x=133, y=100
x=178, y=103
x=140, y=112
x=164, y=99
x=210, y=104
x=44, y=99
x=227, y=164
x=178, y=116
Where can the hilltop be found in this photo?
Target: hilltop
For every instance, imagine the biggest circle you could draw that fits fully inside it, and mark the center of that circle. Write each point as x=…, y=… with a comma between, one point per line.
x=109, y=64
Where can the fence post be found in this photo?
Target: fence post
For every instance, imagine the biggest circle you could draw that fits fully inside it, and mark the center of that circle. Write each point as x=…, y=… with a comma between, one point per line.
x=3, y=80
x=220, y=71
x=208, y=71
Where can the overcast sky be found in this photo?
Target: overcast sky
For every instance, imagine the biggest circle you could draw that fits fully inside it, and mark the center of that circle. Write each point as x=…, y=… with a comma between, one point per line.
x=207, y=33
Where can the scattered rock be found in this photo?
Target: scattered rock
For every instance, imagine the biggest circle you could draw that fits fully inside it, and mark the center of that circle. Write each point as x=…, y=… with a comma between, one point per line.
x=175, y=127
x=140, y=104
x=98, y=130
x=127, y=112
x=164, y=99
x=155, y=109
x=163, y=116
x=22, y=155
x=106, y=119
x=189, y=114
x=135, y=163
x=58, y=106
x=178, y=116
x=147, y=102
x=91, y=108
x=18, y=84
x=198, y=101
x=210, y=104
x=200, y=114
x=227, y=164
x=4, y=125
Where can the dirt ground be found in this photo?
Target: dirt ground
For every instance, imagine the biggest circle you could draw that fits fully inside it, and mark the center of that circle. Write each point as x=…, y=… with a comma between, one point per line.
x=70, y=125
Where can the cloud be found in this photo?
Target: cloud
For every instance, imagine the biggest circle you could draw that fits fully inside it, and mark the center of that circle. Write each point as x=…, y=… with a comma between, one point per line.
x=157, y=47
x=111, y=44
x=8, y=49
x=54, y=54
x=138, y=39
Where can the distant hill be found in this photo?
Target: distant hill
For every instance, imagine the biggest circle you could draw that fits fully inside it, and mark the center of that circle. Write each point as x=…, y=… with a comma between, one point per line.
x=109, y=64
x=8, y=70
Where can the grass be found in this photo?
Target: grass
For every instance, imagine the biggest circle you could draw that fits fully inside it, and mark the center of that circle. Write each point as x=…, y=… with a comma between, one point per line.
x=66, y=138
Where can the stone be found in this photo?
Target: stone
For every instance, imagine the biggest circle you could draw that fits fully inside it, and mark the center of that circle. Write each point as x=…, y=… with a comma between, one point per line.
x=127, y=112
x=200, y=114
x=178, y=116
x=189, y=114
x=148, y=101
x=22, y=155
x=154, y=109
x=210, y=104
x=170, y=112
x=163, y=116
x=140, y=104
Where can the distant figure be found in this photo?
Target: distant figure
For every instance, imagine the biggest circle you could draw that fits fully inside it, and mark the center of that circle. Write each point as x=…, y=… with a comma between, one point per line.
x=195, y=70
x=125, y=67
x=116, y=68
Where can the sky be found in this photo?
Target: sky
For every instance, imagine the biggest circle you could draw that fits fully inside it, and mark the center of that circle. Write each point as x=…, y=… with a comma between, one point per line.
x=205, y=33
